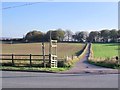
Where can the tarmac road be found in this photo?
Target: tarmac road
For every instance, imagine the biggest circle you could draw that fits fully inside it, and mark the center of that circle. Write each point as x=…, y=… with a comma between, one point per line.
x=54, y=80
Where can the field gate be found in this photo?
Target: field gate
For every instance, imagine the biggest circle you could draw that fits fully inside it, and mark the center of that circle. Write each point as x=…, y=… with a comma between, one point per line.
x=53, y=53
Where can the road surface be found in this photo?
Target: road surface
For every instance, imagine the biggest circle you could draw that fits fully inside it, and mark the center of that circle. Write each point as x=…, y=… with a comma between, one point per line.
x=54, y=80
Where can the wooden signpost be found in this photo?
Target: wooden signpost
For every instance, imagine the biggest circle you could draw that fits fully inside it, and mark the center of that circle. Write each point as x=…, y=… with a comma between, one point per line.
x=53, y=53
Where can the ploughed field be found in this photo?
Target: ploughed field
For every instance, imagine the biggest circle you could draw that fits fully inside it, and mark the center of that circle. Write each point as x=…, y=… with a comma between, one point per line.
x=105, y=50
x=21, y=53
x=63, y=49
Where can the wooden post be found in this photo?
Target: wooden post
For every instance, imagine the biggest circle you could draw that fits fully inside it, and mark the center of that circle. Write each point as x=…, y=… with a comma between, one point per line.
x=43, y=50
x=30, y=61
x=72, y=57
x=49, y=60
x=12, y=60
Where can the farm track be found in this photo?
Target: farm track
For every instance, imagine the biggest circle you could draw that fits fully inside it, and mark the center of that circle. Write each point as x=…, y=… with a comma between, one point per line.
x=82, y=66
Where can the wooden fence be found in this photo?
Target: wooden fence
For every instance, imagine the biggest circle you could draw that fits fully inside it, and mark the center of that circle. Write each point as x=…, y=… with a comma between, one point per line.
x=12, y=58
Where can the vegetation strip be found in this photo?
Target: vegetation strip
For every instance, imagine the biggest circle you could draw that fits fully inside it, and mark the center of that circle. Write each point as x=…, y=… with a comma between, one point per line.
x=109, y=62
x=61, y=35
x=32, y=69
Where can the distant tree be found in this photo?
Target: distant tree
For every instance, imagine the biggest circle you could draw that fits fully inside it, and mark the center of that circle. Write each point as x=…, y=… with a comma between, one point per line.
x=75, y=36
x=34, y=36
x=113, y=35
x=93, y=35
x=55, y=35
x=105, y=34
x=47, y=35
x=81, y=36
x=60, y=34
x=118, y=33
x=68, y=34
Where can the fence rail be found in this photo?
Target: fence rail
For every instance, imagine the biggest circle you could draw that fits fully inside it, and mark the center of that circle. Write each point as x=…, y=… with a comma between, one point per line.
x=20, y=57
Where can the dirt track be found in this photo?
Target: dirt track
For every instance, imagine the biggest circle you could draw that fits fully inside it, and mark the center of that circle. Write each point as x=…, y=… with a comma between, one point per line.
x=82, y=66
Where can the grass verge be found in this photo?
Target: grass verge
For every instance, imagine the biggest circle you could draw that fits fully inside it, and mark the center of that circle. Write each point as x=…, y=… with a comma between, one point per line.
x=103, y=64
x=33, y=69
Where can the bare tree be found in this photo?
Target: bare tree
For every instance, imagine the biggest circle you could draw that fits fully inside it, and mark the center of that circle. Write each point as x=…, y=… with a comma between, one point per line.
x=68, y=34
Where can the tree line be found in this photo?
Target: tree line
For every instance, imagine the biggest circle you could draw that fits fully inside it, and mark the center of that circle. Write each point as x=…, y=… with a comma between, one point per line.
x=67, y=35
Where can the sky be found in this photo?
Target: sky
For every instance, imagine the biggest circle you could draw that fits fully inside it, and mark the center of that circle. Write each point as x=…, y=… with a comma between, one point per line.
x=44, y=16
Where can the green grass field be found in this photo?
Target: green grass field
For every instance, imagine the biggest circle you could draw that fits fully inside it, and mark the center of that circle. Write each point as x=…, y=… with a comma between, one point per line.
x=105, y=55
x=105, y=50
x=63, y=50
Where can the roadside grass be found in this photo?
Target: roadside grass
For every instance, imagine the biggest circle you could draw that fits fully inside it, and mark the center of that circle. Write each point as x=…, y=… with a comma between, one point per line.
x=105, y=55
x=106, y=64
x=33, y=69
